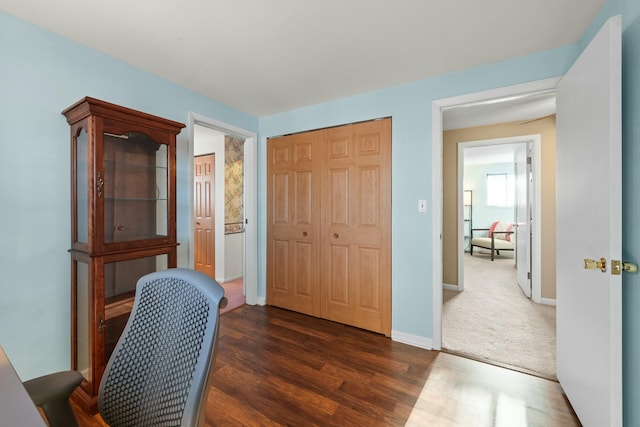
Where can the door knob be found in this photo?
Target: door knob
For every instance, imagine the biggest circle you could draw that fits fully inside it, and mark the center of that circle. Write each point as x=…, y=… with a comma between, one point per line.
x=592, y=264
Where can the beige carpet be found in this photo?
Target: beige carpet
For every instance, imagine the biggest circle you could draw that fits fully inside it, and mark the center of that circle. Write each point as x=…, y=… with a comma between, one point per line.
x=492, y=320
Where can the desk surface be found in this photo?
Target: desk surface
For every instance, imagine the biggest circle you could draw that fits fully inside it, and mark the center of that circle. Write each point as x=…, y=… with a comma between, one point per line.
x=16, y=407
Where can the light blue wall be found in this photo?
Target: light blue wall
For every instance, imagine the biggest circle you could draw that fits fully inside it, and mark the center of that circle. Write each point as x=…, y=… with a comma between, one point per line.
x=40, y=75
x=410, y=107
x=630, y=11
x=475, y=179
x=631, y=211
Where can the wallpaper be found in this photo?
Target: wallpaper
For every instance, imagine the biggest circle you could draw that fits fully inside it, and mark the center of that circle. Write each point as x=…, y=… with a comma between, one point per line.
x=234, y=184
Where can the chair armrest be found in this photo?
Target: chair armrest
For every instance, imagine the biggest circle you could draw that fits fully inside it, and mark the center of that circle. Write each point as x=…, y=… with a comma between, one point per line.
x=52, y=386
x=51, y=393
x=478, y=229
x=501, y=232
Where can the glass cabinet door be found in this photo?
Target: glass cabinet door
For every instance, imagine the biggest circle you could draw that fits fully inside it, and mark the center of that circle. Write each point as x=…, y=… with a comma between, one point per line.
x=135, y=188
x=82, y=358
x=81, y=183
x=112, y=285
x=120, y=280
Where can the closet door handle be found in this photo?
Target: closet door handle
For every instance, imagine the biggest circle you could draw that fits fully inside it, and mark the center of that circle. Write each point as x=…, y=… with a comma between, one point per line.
x=304, y=233
x=336, y=235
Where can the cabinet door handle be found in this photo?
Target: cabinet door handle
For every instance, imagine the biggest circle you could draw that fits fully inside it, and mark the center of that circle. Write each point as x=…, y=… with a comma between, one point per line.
x=304, y=233
x=336, y=235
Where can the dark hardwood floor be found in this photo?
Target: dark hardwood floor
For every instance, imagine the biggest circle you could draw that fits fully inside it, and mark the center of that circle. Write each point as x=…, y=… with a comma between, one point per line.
x=275, y=367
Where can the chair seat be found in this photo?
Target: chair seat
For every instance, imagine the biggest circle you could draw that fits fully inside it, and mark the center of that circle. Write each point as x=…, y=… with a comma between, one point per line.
x=499, y=244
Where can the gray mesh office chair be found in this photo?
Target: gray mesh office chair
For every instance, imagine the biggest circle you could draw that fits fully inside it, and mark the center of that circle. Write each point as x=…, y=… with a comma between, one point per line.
x=159, y=371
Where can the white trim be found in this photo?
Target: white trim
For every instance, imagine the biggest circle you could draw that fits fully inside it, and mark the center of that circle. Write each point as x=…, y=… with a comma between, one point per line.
x=436, y=225
x=410, y=339
x=548, y=301
x=536, y=248
x=460, y=212
x=436, y=167
x=460, y=246
x=450, y=287
x=250, y=198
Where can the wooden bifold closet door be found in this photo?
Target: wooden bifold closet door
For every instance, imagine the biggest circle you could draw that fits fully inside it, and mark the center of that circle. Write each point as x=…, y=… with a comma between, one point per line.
x=329, y=224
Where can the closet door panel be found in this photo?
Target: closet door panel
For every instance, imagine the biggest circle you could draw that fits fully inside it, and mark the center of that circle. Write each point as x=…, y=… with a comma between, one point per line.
x=329, y=224
x=370, y=284
x=279, y=272
x=293, y=223
x=356, y=234
x=339, y=290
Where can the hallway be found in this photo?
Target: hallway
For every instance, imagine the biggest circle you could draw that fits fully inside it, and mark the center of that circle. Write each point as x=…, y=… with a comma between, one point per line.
x=492, y=320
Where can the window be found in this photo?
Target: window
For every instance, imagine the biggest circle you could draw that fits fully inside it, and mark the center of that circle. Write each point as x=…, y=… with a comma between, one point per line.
x=500, y=190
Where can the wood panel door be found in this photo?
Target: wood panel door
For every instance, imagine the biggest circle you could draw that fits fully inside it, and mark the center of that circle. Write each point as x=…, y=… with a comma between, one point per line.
x=293, y=222
x=356, y=218
x=204, y=243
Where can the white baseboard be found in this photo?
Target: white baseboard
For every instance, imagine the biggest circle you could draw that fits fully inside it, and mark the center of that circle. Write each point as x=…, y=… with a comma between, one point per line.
x=229, y=279
x=413, y=340
x=547, y=301
x=262, y=301
x=449, y=287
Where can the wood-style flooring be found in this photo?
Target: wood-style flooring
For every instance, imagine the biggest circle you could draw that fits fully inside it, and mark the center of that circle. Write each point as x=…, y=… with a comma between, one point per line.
x=279, y=368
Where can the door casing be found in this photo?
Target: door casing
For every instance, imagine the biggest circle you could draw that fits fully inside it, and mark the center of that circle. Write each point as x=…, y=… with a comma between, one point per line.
x=250, y=270
x=437, y=109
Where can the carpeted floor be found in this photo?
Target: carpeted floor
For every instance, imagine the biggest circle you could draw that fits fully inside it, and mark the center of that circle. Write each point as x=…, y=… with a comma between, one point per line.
x=492, y=320
x=234, y=292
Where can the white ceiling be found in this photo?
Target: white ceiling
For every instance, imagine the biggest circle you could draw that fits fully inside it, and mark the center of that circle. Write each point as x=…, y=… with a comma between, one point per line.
x=490, y=154
x=265, y=57
x=520, y=108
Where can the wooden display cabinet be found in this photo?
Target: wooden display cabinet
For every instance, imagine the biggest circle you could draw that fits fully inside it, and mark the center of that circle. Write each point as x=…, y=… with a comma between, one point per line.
x=123, y=224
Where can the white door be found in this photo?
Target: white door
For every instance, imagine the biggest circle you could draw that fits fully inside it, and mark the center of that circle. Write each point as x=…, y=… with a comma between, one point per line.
x=523, y=260
x=589, y=325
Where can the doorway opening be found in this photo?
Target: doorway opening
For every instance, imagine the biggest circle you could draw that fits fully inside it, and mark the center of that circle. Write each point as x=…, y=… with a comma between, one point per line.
x=517, y=159
x=234, y=204
x=473, y=136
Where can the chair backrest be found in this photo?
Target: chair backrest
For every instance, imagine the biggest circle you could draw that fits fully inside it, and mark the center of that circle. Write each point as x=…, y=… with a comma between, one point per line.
x=158, y=373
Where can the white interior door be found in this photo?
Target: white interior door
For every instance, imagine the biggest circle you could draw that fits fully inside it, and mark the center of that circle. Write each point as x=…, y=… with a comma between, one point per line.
x=589, y=325
x=523, y=259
